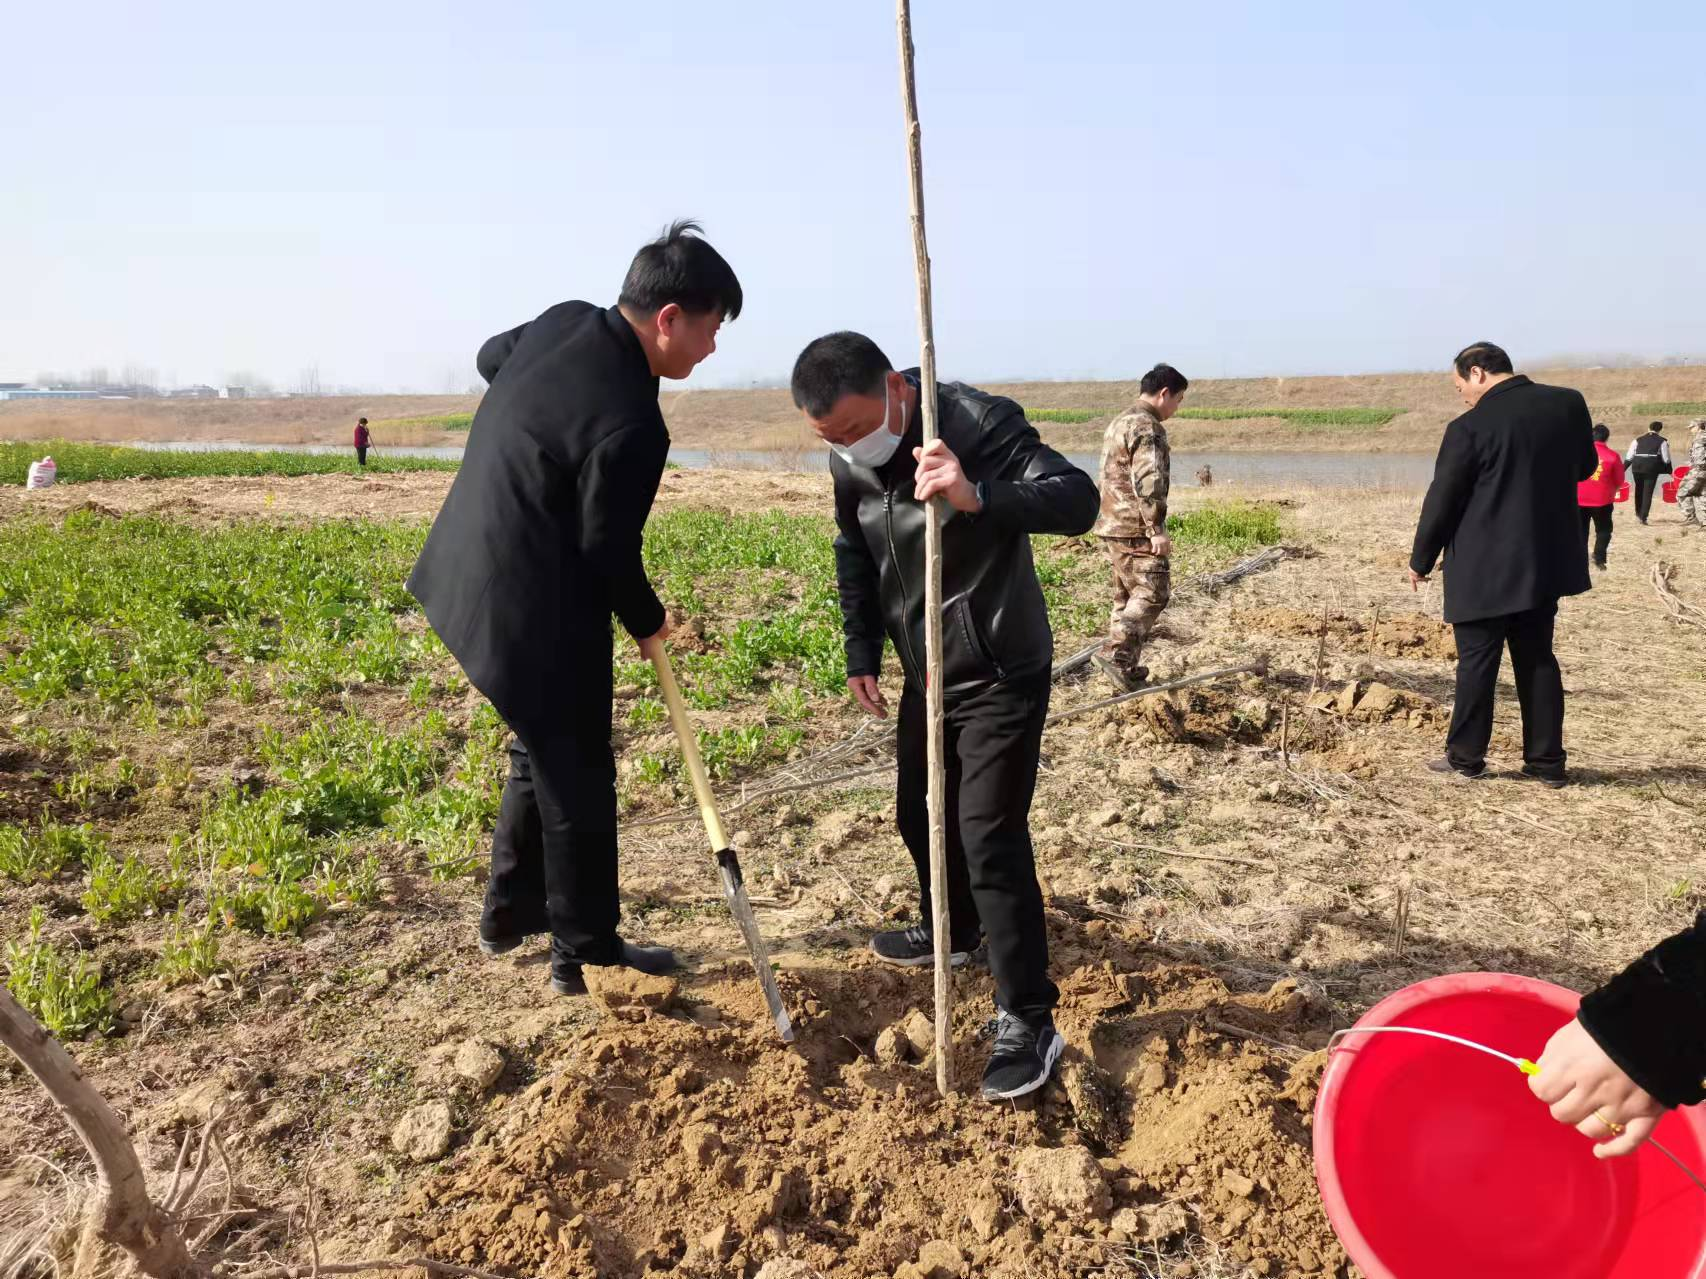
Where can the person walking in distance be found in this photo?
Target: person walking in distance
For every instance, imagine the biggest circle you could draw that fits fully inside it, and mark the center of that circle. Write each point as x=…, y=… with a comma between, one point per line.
x=996, y=483
x=1503, y=509
x=537, y=546
x=1647, y=459
x=363, y=440
x=1691, y=492
x=1136, y=468
x=1596, y=494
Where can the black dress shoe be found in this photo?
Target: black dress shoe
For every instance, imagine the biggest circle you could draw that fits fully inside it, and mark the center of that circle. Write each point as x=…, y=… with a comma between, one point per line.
x=656, y=960
x=567, y=979
x=1557, y=781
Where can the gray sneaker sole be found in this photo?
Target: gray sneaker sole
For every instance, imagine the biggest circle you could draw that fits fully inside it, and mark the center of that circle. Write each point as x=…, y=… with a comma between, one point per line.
x=1031, y=1085
x=956, y=959
x=492, y=949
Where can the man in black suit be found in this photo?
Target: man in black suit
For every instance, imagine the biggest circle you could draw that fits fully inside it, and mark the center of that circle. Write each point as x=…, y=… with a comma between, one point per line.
x=536, y=546
x=1502, y=506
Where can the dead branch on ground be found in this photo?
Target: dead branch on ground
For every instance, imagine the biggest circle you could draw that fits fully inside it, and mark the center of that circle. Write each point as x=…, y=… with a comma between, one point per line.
x=1676, y=608
x=1260, y=562
x=123, y=1214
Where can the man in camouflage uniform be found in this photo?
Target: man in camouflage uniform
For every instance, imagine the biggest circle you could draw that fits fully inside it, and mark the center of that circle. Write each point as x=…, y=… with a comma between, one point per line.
x=1133, y=523
x=1691, y=493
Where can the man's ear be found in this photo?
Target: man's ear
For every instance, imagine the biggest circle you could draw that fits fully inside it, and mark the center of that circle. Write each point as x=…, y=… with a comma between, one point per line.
x=664, y=322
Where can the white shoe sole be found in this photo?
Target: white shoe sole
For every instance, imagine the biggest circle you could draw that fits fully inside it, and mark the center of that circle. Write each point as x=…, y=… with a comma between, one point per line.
x=956, y=959
x=1054, y=1051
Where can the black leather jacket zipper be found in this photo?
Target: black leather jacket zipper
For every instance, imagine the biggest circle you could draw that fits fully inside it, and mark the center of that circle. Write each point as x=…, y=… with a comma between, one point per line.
x=894, y=557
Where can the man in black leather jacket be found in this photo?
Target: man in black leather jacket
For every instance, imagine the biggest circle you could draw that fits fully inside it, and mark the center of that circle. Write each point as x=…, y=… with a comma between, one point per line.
x=997, y=483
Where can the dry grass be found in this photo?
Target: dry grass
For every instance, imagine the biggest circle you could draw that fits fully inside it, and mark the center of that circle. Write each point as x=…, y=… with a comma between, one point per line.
x=739, y=421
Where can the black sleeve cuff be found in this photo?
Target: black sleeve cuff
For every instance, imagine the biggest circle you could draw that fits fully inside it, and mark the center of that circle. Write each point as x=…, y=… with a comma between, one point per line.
x=1654, y=1029
x=864, y=657
x=643, y=618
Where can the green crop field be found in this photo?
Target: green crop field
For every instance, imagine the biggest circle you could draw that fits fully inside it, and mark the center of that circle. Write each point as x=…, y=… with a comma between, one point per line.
x=1297, y=417
x=140, y=656
x=441, y=422
x=1068, y=415
x=80, y=463
x=1671, y=408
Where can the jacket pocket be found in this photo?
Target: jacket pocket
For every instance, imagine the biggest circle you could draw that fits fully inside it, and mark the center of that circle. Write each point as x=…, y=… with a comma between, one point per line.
x=980, y=660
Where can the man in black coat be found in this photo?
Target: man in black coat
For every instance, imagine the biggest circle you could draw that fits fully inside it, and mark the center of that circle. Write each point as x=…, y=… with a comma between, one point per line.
x=1502, y=506
x=997, y=483
x=536, y=547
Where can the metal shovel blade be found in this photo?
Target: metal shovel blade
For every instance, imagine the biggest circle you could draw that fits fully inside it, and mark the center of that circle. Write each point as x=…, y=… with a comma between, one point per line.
x=734, y=889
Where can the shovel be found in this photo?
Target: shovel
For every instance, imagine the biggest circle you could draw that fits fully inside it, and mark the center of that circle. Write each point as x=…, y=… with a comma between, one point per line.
x=728, y=865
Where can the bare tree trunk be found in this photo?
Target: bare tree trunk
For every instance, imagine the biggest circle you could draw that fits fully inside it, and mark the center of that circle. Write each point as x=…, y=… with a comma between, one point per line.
x=932, y=575
x=122, y=1214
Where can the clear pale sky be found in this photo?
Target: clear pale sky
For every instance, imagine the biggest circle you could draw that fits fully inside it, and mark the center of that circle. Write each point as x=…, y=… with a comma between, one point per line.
x=1240, y=188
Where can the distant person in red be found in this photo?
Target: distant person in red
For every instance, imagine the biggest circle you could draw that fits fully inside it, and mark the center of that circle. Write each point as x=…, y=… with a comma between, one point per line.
x=363, y=438
x=1596, y=494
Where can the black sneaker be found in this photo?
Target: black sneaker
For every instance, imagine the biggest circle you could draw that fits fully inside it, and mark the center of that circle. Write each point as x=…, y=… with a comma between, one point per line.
x=1023, y=1058
x=492, y=947
x=1447, y=767
x=913, y=947
x=1557, y=781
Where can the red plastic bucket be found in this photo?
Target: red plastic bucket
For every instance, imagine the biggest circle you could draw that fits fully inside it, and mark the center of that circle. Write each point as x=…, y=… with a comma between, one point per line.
x=1668, y=489
x=1435, y=1160
x=1622, y=492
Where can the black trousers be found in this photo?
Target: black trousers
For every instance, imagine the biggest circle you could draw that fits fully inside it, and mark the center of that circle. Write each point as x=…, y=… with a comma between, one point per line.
x=1597, y=520
x=991, y=742
x=1539, y=688
x=361, y=455
x=554, y=848
x=1644, y=483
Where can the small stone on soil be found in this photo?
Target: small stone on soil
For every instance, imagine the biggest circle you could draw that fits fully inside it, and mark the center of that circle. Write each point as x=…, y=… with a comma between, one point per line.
x=479, y=1063
x=1067, y=1180
x=424, y=1133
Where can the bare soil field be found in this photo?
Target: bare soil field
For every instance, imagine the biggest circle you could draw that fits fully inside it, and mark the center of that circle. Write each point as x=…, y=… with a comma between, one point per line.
x=1225, y=866
x=766, y=419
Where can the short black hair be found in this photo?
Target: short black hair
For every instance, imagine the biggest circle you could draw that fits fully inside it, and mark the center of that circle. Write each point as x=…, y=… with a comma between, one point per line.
x=1602, y=432
x=1164, y=377
x=682, y=268
x=1485, y=356
x=835, y=365
x=361, y=421
x=1657, y=426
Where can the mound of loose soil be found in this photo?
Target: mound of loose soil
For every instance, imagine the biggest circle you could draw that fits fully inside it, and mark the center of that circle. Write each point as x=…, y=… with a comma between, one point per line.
x=1403, y=635
x=679, y=1137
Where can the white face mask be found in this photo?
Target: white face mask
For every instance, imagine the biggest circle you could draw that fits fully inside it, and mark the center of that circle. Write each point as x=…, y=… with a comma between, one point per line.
x=878, y=447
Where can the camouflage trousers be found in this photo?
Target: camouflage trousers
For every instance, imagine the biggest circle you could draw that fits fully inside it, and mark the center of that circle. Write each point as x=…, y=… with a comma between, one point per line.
x=1691, y=497
x=1142, y=587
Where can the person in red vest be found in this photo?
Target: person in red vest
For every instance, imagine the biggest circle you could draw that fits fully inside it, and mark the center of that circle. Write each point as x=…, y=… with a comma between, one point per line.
x=363, y=438
x=1596, y=494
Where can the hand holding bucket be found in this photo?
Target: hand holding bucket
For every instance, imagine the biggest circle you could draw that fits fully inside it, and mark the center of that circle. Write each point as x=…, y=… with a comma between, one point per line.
x=1434, y=1159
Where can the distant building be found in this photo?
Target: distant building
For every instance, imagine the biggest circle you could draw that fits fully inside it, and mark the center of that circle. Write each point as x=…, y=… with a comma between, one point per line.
x=194, y=393
x=234, y=393
x=38, y=393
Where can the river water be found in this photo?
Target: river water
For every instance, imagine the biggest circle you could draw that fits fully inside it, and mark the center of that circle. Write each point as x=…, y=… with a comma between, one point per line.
x=1301, y=470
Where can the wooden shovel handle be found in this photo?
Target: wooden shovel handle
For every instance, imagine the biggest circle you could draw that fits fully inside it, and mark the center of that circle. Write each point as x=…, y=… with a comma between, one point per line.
x=689, y=749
